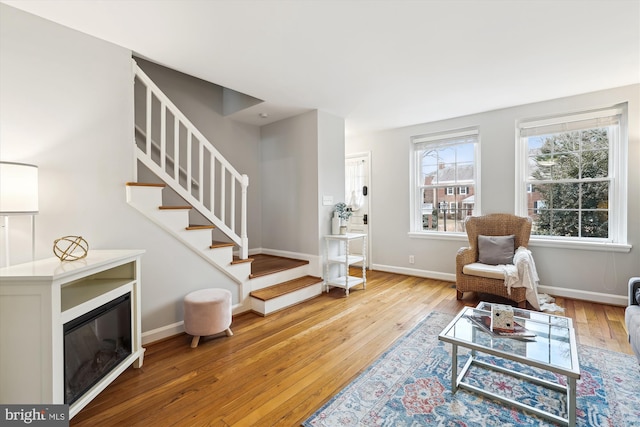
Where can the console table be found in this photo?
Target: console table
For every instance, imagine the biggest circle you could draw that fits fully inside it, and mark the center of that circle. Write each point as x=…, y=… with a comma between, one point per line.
x=37, y=299
x=337, y=253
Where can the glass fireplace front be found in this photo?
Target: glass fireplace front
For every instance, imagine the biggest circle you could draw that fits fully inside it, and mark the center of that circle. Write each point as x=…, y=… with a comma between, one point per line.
x=94, y=344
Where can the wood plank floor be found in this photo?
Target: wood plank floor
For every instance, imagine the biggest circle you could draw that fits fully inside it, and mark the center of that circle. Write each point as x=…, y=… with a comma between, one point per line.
x=277, y=370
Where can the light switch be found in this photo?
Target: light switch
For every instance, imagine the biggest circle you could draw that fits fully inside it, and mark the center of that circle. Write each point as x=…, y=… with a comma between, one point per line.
x=327, y=200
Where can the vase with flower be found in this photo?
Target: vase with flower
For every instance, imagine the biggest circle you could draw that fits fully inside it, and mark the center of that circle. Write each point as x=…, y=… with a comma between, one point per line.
x=341, y=215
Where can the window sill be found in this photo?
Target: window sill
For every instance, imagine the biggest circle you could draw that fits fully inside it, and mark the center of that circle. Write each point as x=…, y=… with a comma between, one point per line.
x=460, y=237
x=535, y=242
x=538, y=242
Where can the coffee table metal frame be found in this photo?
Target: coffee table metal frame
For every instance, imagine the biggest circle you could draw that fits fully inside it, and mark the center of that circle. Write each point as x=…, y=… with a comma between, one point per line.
x=572, y=372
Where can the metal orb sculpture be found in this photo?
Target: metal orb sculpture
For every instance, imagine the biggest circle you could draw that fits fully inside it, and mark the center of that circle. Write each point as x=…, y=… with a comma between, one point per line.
x=70, y=248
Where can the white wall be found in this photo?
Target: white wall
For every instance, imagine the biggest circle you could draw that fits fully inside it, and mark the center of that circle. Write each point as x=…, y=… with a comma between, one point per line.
x=566, y=272
x=66, y=103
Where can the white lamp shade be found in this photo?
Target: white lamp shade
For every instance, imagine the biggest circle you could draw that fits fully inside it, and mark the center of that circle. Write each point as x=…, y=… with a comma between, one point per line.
x=18, y=188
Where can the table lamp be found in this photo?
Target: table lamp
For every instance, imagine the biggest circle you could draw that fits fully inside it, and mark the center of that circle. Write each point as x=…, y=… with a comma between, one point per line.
x=18, y=196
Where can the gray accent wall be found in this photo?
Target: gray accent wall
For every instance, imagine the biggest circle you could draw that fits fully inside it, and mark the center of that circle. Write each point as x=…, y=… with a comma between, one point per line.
x=302, y=160
x=204, y=104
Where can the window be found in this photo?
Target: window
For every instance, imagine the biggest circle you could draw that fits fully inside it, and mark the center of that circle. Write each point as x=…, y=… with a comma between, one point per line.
x=444, y=187
x=538, y=206
x=572, y=175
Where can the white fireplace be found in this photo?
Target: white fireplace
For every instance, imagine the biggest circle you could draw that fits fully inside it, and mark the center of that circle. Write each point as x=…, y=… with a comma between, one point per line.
x=43, y=302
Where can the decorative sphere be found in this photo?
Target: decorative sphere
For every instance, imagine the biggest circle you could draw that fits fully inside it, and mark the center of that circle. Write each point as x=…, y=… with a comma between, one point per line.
x=70, y=248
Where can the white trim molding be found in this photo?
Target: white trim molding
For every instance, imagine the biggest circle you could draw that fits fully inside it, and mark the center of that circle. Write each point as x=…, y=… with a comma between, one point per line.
x=447, y=277
x=577, y=294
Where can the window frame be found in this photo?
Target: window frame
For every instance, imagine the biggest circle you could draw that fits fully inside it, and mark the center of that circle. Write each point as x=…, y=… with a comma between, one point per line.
x=440, y=139
x=617, y=177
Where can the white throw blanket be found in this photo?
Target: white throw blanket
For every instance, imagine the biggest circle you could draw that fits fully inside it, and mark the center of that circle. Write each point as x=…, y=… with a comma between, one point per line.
x=522, y=273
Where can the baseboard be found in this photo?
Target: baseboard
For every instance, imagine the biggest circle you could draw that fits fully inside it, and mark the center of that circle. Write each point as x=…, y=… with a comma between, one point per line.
x=163, y=332
x=177, y=328
x=576, y=294
x=448, y=277
x=598, y=297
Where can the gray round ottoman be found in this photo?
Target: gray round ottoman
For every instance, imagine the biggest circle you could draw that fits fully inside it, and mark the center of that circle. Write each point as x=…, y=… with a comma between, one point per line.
x=207, y=312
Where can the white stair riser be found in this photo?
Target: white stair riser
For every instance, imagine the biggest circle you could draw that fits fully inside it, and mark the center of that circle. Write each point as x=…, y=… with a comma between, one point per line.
x=200, y=239
x=275, y=278
x=222, y=256
x=267, y=307
x=241, y=270
x=177, y=220
x=149, y=197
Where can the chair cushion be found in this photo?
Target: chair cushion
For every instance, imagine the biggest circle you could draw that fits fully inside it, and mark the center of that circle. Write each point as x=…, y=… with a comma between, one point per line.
x=638, y=296
x=484, y=270
x=495, y=250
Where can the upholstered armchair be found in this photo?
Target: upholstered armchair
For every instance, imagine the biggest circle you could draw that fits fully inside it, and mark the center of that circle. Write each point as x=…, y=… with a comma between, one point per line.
x=472, y=275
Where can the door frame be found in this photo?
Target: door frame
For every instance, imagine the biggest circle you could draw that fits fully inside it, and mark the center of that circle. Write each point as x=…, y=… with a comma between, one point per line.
x=367, y=155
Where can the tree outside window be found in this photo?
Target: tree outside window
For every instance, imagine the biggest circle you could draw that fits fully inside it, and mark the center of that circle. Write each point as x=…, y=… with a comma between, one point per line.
x=570, y=176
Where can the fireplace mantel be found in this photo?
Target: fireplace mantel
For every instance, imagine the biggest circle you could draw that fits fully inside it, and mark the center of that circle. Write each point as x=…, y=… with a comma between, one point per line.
x=37, y=299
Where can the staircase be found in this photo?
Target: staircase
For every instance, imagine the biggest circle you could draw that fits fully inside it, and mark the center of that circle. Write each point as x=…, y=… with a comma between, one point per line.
x=170, y=147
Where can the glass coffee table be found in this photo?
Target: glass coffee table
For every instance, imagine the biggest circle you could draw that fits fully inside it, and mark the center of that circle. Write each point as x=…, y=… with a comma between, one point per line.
x=552, y=349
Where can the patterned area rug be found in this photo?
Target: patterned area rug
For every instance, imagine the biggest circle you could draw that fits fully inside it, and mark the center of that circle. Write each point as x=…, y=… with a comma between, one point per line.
x=410, y=385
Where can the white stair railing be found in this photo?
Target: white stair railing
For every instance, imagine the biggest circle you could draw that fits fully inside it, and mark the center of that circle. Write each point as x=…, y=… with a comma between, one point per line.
x=188, y=163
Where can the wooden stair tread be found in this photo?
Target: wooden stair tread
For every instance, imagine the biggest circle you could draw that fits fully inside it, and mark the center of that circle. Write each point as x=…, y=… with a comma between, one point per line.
x=237, y=260
x=263, y=265
x=175, y=207
x=285, y=288
x=216, y=244
x=145, y=184
x=201, y=227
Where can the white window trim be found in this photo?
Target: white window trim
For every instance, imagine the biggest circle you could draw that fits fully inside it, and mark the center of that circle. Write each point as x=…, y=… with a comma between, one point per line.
x=414, y=218
x=618, y=159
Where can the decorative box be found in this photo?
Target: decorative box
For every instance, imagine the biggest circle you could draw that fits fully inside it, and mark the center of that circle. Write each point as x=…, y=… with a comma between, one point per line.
x=502, y=318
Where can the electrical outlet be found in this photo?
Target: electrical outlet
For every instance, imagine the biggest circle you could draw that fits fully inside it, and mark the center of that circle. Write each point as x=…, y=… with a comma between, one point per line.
x=411, y=259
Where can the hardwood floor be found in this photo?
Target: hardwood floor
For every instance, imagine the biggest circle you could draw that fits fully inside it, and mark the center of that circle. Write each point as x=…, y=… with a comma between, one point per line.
x=276, y=371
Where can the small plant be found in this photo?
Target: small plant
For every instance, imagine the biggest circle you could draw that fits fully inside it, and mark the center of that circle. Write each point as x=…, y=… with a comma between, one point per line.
x=343, y=211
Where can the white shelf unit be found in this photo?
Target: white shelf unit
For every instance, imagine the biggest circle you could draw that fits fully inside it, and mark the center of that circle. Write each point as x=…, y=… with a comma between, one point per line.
x=37, y=299
x=337, y=254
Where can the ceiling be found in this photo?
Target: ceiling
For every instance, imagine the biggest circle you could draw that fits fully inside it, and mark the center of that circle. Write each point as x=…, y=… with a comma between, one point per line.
x=379, y=64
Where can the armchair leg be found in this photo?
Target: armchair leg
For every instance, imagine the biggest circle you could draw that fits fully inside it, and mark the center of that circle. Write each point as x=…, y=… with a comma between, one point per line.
x=459, y=294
